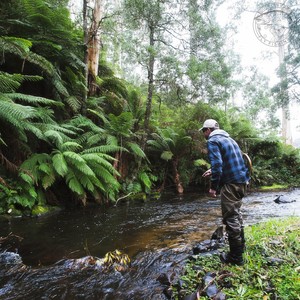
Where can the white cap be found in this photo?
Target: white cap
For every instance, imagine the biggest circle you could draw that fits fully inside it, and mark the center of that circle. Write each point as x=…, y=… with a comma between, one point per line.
x=210, y=123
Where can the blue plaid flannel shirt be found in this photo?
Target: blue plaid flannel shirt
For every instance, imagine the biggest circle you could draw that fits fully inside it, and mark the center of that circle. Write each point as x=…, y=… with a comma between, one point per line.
x=226, y=159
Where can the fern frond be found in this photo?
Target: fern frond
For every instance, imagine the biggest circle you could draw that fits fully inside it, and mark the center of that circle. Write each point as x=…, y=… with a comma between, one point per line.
x=114, y=84
x=104, y=149
x=94, y=160
x=45, y=168
x=154, y=145
x=85, y=124
x=14, y=114
x=40, y=61
x=60, y=164
x=58, y=84
x=94, y=139
x=73, y=158
x=33, y=99
x=74, y=184
x=75, y=61
x=87, y=183
x=48, y=180
x=98, y=114
x=107, y=177
x=25, y=177
x=66, y=129
x=112, y=140
x=10, y=82
x=14, y=45
x=70, y=146
x=31, y=164
x=44, y=115
x=34, y=129
x=54, y=136
x=84, y=169
x=144, y=178
x=121, y=124
x=136, y=149
x=73, y=103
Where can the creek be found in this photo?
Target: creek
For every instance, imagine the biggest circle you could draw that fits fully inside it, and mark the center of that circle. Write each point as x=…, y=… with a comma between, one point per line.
x=158, y=236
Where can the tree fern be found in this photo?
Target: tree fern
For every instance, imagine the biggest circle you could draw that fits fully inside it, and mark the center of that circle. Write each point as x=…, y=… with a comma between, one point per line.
x=33, y=100
x=15, y=45
x=9, y=83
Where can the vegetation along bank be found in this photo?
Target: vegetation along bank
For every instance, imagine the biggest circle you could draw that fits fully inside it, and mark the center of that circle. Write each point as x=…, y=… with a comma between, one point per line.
x=271, y=271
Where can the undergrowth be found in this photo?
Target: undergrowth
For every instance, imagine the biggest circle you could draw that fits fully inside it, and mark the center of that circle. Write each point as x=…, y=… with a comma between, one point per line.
x=271, y=271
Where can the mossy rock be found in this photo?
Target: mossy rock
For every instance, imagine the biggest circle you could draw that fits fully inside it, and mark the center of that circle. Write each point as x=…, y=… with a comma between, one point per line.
x=138, y=196
x=40, y=210
x=155, y=195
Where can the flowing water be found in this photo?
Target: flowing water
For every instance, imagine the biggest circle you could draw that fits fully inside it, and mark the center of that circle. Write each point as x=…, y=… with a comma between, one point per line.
x=158, y=236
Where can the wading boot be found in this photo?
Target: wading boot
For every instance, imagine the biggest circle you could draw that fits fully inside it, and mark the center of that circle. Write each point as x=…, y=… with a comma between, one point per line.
x=243, y=239
x=235, y=255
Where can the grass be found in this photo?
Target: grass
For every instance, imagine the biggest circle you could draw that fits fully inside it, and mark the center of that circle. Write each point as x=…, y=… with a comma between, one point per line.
x=274, y=187
x=271, y=271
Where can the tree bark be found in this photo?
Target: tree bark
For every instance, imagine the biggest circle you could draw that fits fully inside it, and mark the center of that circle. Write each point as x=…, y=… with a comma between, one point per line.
x=85, y=57
x=93, y=47
x=177, y=180
x=150, y=79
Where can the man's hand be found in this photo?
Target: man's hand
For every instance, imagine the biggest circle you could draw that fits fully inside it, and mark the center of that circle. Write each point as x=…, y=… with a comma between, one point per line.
x=212, y=193
x=207, y=173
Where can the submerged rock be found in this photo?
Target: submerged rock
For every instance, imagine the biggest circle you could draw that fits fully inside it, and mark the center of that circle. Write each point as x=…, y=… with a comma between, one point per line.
x=10, y=258
x=284, y=199
x=217, y=241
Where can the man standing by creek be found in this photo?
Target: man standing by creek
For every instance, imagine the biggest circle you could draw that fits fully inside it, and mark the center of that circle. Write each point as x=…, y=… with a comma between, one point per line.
x=230, y=176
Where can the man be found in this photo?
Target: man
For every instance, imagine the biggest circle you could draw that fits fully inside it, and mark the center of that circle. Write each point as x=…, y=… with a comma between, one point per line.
x=230, y=176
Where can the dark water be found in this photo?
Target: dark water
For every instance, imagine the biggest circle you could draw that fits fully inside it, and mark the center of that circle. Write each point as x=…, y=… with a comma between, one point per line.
x=158, y=235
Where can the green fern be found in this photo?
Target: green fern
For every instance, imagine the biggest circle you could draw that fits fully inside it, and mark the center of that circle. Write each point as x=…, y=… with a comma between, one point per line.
x=59, y=163
x=73, y=158
x=9, y=83
x=136, y=149
x=104, y=149
x=33, y=100
x=74, y=184
x=15, y=45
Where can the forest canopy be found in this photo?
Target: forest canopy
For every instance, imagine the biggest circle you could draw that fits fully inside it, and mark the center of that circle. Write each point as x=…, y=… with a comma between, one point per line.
x=108, y=104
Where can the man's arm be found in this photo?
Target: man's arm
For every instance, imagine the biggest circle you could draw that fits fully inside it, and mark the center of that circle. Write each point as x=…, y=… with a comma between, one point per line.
x=216, y=162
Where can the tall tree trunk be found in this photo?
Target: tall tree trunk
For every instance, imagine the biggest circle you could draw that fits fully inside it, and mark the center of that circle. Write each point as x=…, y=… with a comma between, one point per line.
x=93, y=47
x=150, y=79
x=286, y=124
x=85, y=59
